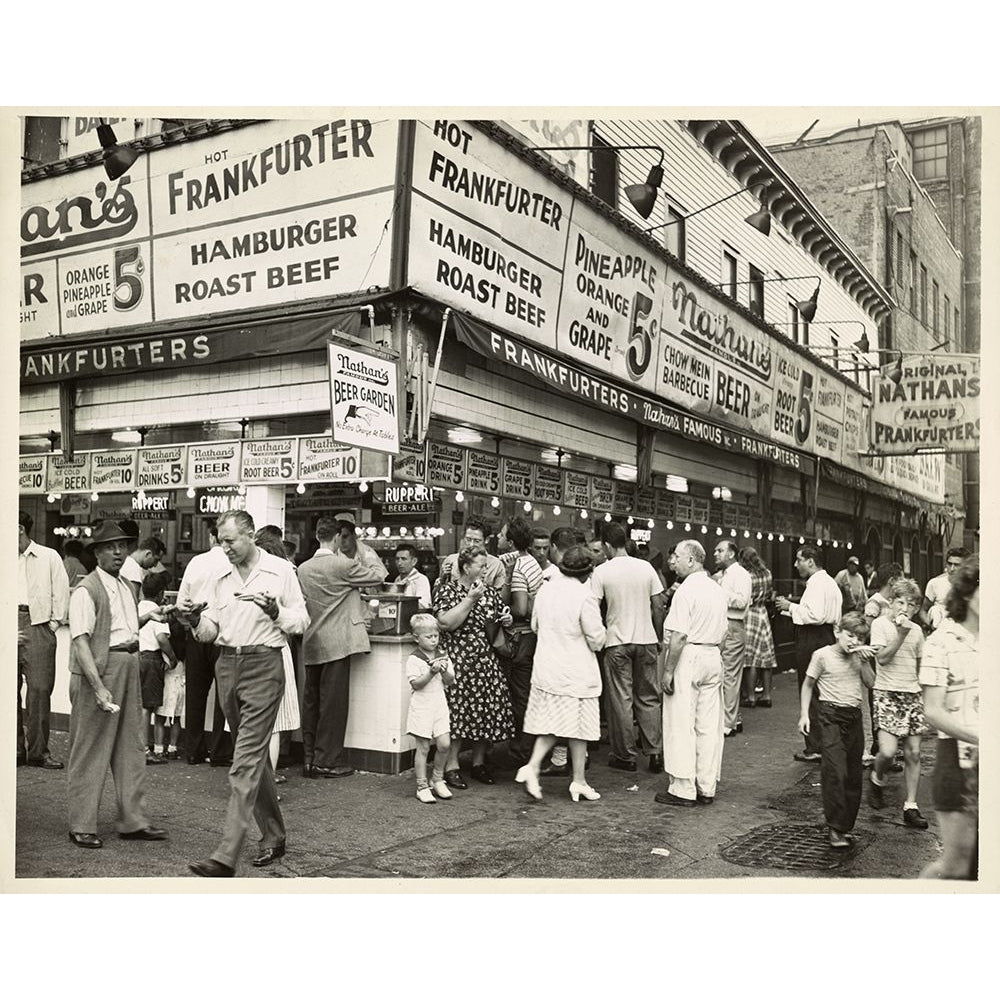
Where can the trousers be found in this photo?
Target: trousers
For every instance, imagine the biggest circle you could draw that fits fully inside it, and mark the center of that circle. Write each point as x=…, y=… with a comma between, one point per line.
x=326, y=701
x=250, y=687
x=842, y=742
x=518, y=671
x=633, y=687
x=809, y=638
x=693, y=723
x=99, y=740
x=733, y=649
x=199, y=667
x=36, y=669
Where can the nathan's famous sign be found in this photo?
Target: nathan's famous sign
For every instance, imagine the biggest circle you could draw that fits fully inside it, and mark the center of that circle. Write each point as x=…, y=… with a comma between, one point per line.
x=927, y=402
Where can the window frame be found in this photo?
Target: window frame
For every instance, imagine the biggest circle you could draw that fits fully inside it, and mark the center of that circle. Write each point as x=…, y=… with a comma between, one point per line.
x=755, y=277
x=602, y=154
x=729, y=283
x=921, y=161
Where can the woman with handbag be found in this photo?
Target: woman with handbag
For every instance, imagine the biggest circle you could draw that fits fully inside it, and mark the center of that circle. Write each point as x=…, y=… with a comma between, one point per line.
x=472, y=616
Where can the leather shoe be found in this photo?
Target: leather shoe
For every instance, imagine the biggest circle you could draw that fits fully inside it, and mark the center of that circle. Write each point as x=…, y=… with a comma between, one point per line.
x=340, y=771
x=221, y=762
x=553, y=770
x=210, y=868
x=912, y=817
x=146, y=833
x=196, y=760
x=47, y=762
x=267, y=855
x=621, y=765
x=808, y=756
x=454, y=779
x=86, y=840
x=705, y=800
x=482, y=774
x=666, y=799
x=656, y=763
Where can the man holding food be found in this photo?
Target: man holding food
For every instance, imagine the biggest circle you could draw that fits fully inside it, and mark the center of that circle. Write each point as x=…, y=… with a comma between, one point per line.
x=250, y=607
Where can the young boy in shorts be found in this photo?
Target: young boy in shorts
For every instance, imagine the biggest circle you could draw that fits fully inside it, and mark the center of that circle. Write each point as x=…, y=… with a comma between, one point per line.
x=156, y=655
x=840, y=671
x=899, y=710
x=429, y=673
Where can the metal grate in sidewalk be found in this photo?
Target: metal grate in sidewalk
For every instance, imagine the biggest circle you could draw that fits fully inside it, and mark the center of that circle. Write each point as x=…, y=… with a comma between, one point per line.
x=794, y=847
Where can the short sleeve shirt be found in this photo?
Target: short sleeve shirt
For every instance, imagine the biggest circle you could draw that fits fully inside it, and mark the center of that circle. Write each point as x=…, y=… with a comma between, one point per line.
x=147, y=634
x=627, y=584
x=900, y=673
x=838, y=676
x=951, y=661
x=698, y=610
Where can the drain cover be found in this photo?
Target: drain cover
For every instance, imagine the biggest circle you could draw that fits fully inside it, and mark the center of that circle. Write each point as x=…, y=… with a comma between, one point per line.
x=788, y=846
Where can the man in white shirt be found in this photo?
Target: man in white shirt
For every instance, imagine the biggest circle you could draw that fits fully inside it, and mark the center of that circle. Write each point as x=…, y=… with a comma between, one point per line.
x=852, y=585
x=106, y=723
x=736, y=583
x=42, y=605
x=692, y=682
x=254, y=604
x=814, y=615
x=199, y=666
x=634, y=623
x=139, y=560
x=415, y=584
x=933, y=612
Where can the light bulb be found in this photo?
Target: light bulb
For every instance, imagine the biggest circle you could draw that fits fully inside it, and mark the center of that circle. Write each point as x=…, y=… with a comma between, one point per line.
x=190, y=492
x=631, y=520
x=300, y=489
x=687, y=526
x=242, y=490
x=527, y=506
x=835, y=543
x=557, y=510
x=51, y=498
x=802, y=541
x=607, y=517
x=849, y=546
x=58, y=496
x=418, y=531
x=363, y=486
x=583, y=513
x=402, y=532
x=704, y=529
x=95, y=496
x=371, y=532
x=819, y=541
x=770, y=536
x=387, y=531
x=670, y=525
x=781, y=538
x=759, y=536
x=718, y=531
x=732, y=532
x=495, y=502
x=650, y=524
x=459, y=497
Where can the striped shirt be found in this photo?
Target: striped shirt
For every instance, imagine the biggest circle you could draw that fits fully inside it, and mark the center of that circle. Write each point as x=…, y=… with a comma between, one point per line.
x=900, y=673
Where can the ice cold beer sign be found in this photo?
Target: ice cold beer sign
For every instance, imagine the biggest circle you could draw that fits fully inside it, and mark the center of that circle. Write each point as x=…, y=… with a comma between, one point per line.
x=364, y=408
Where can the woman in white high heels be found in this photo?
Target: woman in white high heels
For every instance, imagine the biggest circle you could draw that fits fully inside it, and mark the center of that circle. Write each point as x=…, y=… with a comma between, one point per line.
x=565, y=678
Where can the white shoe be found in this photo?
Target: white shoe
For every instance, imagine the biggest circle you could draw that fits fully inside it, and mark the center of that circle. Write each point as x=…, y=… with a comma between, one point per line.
x=441, y=790
x=576, y=790
x=526, y=776
x=426, y=795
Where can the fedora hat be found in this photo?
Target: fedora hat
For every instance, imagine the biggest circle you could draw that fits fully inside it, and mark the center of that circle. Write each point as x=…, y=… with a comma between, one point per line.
x=107, y=531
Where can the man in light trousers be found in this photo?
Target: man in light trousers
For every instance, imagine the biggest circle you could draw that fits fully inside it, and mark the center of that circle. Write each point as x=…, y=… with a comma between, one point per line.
x=736, y=583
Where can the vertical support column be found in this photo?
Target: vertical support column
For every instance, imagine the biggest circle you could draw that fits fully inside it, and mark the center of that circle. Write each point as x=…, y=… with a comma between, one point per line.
x=266, y=505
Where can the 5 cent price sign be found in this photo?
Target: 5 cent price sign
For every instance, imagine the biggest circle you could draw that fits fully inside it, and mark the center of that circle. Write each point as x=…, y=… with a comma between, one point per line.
x=445, y=466
x=272, y=461
x=517, y=479
x=163, y=466
x=32, y=473
x=548, y=484
x=214, y=464
x=483, y=471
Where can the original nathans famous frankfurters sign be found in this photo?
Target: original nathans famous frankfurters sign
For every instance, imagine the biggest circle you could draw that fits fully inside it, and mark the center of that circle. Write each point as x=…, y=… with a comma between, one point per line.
x=275, y=212
x=927, y=402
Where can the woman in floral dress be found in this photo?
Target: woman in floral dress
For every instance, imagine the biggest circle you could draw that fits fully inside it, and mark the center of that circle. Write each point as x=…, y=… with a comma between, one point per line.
x=479, y=700
x=759, y=658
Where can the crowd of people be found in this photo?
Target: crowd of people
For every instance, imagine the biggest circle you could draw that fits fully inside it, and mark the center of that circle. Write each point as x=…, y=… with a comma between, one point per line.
x=536, y=648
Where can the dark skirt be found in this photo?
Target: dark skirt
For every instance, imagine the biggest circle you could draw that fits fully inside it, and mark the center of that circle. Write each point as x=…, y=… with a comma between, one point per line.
x=151, y=671
x=955, y=788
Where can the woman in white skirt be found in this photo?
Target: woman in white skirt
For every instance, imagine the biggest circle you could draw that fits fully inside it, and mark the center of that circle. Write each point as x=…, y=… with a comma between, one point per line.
x=565, y=678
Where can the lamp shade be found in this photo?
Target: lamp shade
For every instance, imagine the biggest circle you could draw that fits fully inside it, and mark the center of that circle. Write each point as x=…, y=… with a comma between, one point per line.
x=862, y=343
x=761, y=221
x=807, y=308
x=643, y=196
x=117, y=159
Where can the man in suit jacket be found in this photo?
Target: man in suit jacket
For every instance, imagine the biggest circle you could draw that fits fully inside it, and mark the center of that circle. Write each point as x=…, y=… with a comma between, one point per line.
x=330, y=581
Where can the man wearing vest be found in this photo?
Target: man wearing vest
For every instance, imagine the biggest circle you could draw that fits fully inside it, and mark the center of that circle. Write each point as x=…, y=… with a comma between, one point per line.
x=106, y=722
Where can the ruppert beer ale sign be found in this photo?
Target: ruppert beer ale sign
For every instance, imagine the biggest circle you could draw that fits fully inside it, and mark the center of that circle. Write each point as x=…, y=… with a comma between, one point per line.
x=364, y=399
x=927, y=402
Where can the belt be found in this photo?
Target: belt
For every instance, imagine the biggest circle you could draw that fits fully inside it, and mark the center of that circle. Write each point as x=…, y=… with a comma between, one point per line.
x=124, y=647
x=711, y=645
x=240, y=650
x=735, y=619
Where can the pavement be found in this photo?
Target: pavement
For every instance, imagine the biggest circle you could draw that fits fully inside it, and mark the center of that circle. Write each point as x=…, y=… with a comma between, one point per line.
x=371, y=826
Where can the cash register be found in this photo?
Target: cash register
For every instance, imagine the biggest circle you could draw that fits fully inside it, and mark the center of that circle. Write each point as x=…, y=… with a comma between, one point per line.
x=391, y=610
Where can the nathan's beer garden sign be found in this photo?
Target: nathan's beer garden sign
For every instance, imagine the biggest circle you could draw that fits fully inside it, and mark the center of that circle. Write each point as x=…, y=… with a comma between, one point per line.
x=927, y=402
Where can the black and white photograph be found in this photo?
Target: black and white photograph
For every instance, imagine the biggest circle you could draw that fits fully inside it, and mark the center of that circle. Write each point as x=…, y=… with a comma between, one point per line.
x=608, y=484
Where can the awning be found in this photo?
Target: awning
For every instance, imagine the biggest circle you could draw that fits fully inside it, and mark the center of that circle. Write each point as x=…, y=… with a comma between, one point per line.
x=577, y=383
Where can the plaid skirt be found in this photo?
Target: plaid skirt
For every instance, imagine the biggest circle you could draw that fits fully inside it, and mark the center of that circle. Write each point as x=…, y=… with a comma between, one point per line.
x=760, y=643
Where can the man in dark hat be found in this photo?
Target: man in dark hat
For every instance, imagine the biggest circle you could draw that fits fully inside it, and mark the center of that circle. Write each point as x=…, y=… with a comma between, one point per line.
x=105, y=723
x=330, y=581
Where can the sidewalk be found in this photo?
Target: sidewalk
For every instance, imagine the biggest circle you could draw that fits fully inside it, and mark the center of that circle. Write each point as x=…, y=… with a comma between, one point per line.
x=371, y=826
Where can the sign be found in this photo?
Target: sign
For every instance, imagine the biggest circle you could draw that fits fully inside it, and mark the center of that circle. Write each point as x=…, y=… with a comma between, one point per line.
x=217, y=500
x=483, y=470
x=152, y=506
x=273, y=460
x=214, y=464
x=682, y=507
x=576, y=489
x=113, y=470
x=518, y=479
x=668, y=506
x=69, y=475
x=328, y=460
x=363, y=399
x=645, y=501
x=548, y=484
x=327, y=497
x=33, y=474
x=410, y=465
x=163, y=466
x=624, y=499
x=602, y=493
x=77, y=505
x=445, y=466
x=927, y=401
x=414, y=499
x=275, y=212
x=699, y=511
